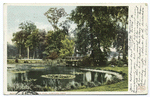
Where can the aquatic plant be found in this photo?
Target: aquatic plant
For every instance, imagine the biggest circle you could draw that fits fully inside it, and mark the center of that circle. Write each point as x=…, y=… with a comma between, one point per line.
x=91, y=84
x=59, y=76
x=108, y=77
x=18, y=87
x=38, y=67
x=77, y=73
x=77, y=84
x=46, y=88
x=30, y=80
x=82, y=87
x=97, y=83
x=84, y=84
x=72, y=85
x=113, y=80
x=18, y=71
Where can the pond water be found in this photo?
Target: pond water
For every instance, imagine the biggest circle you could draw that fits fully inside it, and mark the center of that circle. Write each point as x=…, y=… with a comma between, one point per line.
x=53, y=77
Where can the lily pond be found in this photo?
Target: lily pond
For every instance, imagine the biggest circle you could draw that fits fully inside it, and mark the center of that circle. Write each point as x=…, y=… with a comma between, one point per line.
x=52, y=78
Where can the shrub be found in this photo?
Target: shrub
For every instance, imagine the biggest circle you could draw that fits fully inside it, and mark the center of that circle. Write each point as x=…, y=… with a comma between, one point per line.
x=120, y=63
x=91, y=84
x=82, y=87
x=73, y=86
x=114, y=80
x=18, y=87
x=59, y=88
x=46, y=88
x=97, y=83
x=84, y=84
x=77, y=84
x=16, y=60
x=113, y=61
x=26, y=61
x=86, y=61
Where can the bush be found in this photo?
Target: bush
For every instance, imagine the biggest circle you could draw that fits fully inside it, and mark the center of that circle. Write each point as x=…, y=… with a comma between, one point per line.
x=18, y=87
x=26, y=61
x=120, y=63
x=47, y=88
x=114, y=80
x=91, y=84
x=73, y=86
x=82, y=87
x=86, y=61
x=84, y=84
x=16, y=60
x=77, y=84
x=97, y=83
x=113, y=61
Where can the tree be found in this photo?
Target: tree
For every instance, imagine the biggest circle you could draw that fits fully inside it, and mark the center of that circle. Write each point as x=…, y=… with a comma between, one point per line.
x=12, y=51
x=65, y=25
x=27, y=26
x=119, y=41
x=33, y=41
x=82, y=41
x=53, y=41
x=120, y=15
x=98, y=25
x=67, y=48
x=20, y=37
x=42, y=42
x=53, y=15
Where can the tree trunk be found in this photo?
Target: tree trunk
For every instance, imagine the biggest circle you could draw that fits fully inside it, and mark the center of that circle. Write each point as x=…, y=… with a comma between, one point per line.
x=20, y=52
x=33, y=54
x=91, y=35
x=124, y=53
x=119, y=56
x=28, y=53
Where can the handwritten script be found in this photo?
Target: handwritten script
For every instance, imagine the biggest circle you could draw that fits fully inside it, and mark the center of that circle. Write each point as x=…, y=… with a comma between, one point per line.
x=137, y=49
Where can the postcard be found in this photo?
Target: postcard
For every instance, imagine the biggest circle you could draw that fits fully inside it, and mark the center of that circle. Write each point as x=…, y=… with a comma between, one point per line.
x=75, y=49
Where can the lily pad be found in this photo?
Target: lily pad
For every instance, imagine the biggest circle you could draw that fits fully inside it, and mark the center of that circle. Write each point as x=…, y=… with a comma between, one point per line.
x=15, y=71
x=38, y=67
x=30, y=80
x=77, y=73
x=59, y=76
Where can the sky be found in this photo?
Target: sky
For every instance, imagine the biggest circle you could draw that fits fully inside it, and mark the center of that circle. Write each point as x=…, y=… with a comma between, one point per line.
x=18, y=14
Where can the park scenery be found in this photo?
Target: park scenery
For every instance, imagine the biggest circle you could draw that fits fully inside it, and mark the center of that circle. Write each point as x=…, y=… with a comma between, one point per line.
x=67, y=48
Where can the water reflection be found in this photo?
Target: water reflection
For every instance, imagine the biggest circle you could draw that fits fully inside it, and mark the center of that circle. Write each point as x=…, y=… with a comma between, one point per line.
x=81, y=78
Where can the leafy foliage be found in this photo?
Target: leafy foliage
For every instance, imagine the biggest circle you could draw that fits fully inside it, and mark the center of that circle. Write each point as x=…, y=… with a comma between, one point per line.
x=96, y=30
x=53, y=56
x=53, y=15
x=67, y=48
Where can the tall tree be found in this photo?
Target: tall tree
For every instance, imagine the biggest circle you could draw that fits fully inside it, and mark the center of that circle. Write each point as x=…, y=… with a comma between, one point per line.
x=53, y=15
x=20, y=37
x=42, y=42
x=53, y=41
x=12, y=51
x=33, y=41
x=120, y=16
x=99, y=27
x=67, y=47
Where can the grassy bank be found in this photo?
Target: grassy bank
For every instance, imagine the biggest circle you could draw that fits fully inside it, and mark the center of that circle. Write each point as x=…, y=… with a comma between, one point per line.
x=13, y=61
x=120, y=86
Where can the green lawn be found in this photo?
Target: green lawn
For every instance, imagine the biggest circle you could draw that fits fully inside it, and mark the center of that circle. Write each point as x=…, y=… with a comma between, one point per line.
x=120, y=86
